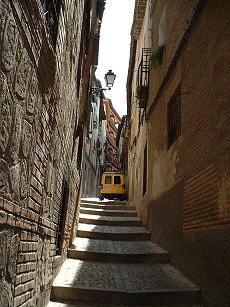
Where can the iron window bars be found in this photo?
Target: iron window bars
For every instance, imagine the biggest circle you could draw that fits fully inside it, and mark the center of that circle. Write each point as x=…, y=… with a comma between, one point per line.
x=174, y=117
x=51, y=10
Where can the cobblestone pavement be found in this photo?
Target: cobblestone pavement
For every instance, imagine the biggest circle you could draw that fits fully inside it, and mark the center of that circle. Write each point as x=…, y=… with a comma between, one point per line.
x=121, y=247
x=111, y=229
x=108, y=218
x=121, y=277
x=114, y=281
x=108, y=211
x=111, y=206
x=54, y=304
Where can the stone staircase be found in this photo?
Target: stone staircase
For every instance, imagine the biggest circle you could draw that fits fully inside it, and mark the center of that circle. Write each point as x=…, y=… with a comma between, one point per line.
x=114, y=263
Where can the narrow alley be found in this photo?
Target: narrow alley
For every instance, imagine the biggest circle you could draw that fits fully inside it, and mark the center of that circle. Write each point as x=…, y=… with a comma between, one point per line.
x=114, y=263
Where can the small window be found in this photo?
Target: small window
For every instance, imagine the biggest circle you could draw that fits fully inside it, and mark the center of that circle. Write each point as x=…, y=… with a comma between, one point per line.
x=117, y=180
x=174, y=117
x=108, y=179
x=51, y=13
x=60, y=234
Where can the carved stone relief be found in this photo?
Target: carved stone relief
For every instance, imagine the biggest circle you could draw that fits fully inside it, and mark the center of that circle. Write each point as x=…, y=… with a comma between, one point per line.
x=44, y=264
x=3, y=176
x=12, y=256
x=32, y=93
x=8, y=259
x=24, y=179
x=3, y=252
x=10, y=41
x=16, y=135
x=14, y=174
x=26, y=138
x=23, y=75
x=38, y=267
x=5, y=113
x=19, y=100
x=6, y=298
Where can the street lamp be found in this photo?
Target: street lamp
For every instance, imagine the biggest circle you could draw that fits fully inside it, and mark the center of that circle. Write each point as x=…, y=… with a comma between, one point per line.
x=109, y=79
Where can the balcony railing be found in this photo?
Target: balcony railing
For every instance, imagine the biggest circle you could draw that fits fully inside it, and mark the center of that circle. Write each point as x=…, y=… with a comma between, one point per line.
x=143, y=78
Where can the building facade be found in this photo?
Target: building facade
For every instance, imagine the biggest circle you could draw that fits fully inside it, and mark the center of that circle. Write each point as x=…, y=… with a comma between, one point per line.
x=112, y=121
x=179, y=116
x=122, y=145
x=47, y=48
x=95, y=142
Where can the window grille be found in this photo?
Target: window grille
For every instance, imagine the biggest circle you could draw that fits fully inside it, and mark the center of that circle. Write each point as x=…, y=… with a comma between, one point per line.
x=51, y=10
x=174, y=117
x=145, y=170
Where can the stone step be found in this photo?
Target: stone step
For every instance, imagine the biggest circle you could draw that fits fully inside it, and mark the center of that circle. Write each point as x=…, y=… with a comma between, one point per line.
x=108, y=212
x=112, y=232
x=108, y=206
x=82, y=304
x=85, y=304
x=117, y=251
x=120, y=283
x=97, y=201
x=109, y=220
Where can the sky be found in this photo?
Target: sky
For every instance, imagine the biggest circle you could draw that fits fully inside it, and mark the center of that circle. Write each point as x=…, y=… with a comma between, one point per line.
x=115, y=48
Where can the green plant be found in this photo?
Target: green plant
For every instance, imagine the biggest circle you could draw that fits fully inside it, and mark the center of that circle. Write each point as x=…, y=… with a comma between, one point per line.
x=138, y=92
x=142, y=91
x=156, y=58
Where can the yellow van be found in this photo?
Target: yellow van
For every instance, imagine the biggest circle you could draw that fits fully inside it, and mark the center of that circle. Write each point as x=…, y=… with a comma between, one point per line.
x=112, y=186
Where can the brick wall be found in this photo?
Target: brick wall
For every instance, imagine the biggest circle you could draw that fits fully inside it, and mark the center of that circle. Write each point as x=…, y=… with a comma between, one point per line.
x=202, y=70
x=187, y=205
x=39, y=108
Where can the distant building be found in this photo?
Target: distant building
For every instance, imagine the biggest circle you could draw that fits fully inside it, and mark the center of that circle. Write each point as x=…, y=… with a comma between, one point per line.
x=95, y=142
x=122, y=145
x=112, y=120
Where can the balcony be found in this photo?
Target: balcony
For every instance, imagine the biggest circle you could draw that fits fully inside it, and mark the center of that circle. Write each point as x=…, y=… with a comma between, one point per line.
x=143, y=78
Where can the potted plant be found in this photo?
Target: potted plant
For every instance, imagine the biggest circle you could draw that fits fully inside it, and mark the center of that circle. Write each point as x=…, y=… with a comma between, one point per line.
x=142, y=95
x=156, y=58
x=142, y=91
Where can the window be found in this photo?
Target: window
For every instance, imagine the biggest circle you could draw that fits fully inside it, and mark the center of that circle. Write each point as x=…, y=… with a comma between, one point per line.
x=145, y=170
x=61, y=218
x=117, y=180
x=51, y=10
x=108, y=179
x=174, y=117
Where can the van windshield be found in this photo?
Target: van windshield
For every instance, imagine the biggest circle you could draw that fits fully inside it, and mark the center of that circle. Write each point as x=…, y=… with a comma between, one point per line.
x=108, y=179
x=117, y=180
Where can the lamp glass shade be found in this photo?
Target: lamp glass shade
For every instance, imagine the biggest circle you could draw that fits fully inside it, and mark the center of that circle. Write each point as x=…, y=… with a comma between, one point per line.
x=109, y=78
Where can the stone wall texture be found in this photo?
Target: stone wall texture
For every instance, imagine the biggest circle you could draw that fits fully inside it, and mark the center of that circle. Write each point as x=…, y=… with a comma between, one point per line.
x=187, y=204
x=38, y=114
